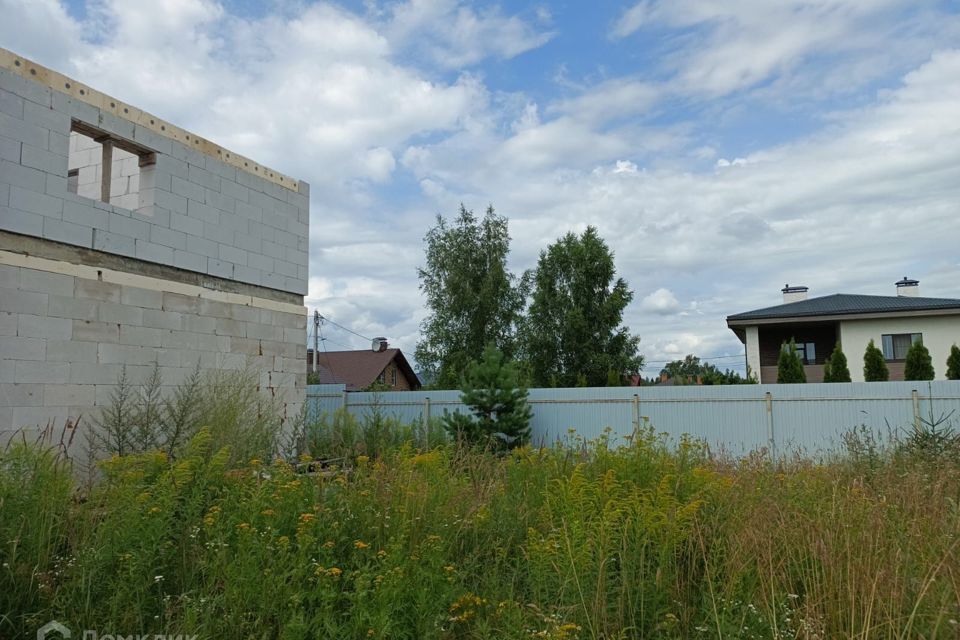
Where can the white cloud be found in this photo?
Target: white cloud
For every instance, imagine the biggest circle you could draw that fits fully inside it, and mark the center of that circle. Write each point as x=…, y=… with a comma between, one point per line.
x=741, y=44
x=452, y=34
x=662, y=302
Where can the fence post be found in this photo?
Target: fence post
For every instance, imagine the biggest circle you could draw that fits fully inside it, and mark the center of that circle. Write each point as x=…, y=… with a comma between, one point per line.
x=915, y=396
x=343, y=403
x=768, y=397
x=426, y=422
x=636, y=412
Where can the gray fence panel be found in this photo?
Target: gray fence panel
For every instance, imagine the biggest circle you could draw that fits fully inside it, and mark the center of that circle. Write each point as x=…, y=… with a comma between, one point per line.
x=810, y=418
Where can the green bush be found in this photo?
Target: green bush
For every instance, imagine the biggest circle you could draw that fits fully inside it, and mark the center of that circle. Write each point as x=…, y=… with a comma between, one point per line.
x=789, y=365
x=919, y=364
x=499, y=413
x=874, y=366
x=953, y=363
x=836, y=369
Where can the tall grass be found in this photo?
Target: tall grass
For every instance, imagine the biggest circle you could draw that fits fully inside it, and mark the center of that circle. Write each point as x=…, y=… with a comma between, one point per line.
x=396, y=540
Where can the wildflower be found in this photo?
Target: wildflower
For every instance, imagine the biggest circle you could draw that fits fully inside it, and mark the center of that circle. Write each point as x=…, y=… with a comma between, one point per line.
x=154, y=509
x=243, y=526
x=255, y=462
x=448, y=568
x=306, y=518
x=363, y=459
x=208, y=521
x=360, y=544
x=158, y=579
x=370, y=633
x=334, y=572
x=283, y=541
x=382, y=553
x=267, y=512
x=329, y=544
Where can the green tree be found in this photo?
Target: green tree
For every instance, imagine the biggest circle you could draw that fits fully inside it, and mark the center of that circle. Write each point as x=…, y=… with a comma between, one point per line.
x=500, y=415
x=573, y=334
x=836, y=369
x=472, y=298
x=789, y=366
x=919, y=364
x=691, y=368
x=874, y=366
x=953, y=363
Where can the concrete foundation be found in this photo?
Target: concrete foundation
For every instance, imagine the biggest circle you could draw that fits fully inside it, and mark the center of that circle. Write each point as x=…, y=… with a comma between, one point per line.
x=184, y=253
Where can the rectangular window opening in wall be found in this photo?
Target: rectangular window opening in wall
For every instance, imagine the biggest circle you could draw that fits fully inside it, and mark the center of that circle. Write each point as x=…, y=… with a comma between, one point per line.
x=896, y=345
x=807, y=352
x=106, y=168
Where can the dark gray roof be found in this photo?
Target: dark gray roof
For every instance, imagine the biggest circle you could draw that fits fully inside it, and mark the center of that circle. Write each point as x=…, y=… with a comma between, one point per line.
x=847, y=304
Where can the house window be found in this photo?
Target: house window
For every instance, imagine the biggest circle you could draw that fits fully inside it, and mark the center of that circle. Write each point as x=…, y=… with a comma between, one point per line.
x=807, y=352
x=382, y=378
x=393, y=377
x=105, y=168
x=896, y=345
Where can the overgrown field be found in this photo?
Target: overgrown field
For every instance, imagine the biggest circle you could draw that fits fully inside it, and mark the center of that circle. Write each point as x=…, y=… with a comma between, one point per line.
x=577, y=541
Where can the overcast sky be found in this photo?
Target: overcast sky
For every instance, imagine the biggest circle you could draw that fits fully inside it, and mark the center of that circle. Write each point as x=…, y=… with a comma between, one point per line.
x=722, y=148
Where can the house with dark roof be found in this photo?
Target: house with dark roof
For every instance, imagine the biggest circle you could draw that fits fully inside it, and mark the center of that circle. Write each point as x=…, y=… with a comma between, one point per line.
x=852, y=320
x=363, y=368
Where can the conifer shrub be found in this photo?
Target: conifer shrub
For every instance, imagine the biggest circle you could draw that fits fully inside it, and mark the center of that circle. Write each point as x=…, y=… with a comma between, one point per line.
x=874, y=366
x=499, y=413
x=789, y=366
x=836, y=369
x=919, y=364
x=953, y=363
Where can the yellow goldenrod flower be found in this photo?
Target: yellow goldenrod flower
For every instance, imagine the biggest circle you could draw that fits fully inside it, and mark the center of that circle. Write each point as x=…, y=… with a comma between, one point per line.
x=360, y=544
x=307, y=517
x=243, y=526
x=154, y=509
x=363, y=459
x=255, y=462
x=334, y=572
x=267, y=512
x=329, y=544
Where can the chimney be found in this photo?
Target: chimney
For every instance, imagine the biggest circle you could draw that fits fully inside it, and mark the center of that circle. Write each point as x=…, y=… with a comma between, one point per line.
x=378, y=345
x=908, y=287
x=793, y=294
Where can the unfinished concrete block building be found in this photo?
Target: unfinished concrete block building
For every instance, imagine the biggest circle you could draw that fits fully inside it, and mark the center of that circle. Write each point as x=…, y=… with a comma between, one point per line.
x=125, y=240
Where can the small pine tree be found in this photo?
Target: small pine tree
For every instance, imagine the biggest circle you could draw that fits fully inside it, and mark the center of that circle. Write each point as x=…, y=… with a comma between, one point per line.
x=836, y=369
x=874, y=366
x=919, y=364
x=491, y=390
x=789, y=366
x=953, y=363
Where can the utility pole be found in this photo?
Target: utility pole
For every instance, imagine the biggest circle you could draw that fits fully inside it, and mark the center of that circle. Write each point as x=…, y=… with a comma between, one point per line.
x=316, y=338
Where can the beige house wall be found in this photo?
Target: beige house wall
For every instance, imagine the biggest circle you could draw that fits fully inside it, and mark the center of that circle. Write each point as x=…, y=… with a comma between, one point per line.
x=939, y=333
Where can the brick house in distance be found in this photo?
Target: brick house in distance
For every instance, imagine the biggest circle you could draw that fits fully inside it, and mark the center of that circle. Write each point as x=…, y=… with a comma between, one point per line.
x=818, y=324
x=360, y=369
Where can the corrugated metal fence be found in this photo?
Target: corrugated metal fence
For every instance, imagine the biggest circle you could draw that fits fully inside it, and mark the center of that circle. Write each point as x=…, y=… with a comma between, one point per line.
x=807, y=418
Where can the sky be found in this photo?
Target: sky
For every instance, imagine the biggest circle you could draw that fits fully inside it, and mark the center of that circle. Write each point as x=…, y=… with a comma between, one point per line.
x=722, y=149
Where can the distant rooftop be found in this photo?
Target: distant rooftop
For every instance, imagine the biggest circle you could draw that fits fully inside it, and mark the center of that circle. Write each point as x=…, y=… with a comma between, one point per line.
x=840, y=304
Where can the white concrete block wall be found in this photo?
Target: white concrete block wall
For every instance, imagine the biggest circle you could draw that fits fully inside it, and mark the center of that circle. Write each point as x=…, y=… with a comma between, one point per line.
x=69, y=324
x=65, y=338
x=192, y=211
